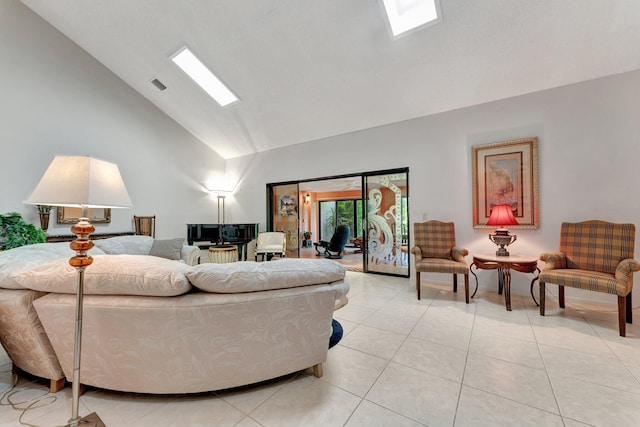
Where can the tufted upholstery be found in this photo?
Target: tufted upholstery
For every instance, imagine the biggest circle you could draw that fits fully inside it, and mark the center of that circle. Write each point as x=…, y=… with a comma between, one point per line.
x=596, y=256
x=436, y=252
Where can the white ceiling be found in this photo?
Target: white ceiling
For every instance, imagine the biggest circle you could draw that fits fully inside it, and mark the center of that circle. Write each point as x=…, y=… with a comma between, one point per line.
x=309, y=69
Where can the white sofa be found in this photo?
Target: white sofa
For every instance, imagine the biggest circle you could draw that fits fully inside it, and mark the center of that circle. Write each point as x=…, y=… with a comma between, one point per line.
x=152, y=325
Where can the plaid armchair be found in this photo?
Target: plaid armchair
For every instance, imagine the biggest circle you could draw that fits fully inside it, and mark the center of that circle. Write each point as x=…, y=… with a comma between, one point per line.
x=436, y=252
x=597, y=256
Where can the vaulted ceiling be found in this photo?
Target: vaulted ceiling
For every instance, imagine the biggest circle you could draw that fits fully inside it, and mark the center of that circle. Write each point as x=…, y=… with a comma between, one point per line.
x=309, y=69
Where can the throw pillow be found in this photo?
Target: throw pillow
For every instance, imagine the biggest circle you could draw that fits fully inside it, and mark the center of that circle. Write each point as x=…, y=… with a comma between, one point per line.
x=132, y=245
x=110, y=275
x=170, y=249
x=252, y=276
x=14, y=262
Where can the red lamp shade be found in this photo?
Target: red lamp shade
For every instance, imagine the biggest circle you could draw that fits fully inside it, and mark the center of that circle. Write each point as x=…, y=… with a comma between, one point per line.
x=502, y=215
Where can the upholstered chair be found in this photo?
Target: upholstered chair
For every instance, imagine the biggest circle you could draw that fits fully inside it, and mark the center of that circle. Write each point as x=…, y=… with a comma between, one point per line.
x=270, y=243
x=333, y=249
x=435, y=251
x=596, y=256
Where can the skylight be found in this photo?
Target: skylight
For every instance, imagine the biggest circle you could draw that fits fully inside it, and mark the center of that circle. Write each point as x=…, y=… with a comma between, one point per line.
x=187, y=61
x=405, y=15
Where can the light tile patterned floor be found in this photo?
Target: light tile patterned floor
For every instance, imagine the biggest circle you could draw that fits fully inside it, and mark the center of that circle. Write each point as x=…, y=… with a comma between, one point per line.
x=403, y=362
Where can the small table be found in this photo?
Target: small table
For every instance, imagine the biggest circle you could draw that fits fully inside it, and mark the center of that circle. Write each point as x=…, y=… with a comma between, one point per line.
x=222, y=254
x=504, y=264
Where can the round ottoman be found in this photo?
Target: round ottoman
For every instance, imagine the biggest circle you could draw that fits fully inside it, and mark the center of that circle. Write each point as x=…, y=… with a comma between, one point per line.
x=222, y=254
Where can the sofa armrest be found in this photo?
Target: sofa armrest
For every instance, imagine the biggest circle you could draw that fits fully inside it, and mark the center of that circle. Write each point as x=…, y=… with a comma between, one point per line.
x=417, y=252
x=190, y=254
x=625, y=270
x=554, y=260
x=458, y=254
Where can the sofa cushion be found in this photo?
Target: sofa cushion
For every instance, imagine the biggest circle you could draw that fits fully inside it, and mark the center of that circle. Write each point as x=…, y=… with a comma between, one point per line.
x=132, y=245
x=170, y=249
x=14, y=262
x=249, y=276
x=111, y=275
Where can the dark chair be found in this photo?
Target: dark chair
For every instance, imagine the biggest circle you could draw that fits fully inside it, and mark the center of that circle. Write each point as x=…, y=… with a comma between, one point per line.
x=333, y=248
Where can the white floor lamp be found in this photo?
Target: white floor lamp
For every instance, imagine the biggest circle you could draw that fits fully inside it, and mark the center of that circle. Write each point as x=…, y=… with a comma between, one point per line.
x=82, y=182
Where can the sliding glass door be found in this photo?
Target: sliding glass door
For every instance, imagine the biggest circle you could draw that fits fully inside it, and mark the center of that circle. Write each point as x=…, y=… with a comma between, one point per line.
x=387, y=222
x=341, y=212
x=284, y=214
x=377, y=213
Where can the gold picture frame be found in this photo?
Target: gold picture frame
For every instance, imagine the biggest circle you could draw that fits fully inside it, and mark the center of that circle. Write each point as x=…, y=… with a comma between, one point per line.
x=506, y=173
x=67, y=215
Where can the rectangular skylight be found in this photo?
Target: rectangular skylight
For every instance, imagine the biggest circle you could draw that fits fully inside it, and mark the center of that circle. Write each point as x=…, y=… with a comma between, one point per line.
x=405, y=15
x=190, y=64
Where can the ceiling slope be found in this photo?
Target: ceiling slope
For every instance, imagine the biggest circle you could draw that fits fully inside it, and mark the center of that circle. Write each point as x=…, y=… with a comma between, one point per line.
x=308, y=69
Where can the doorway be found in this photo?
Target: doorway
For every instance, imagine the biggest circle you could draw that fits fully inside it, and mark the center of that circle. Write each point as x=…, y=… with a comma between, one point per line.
x=374, y=206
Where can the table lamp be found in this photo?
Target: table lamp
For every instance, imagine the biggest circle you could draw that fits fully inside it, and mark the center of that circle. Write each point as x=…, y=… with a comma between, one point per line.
x=502, y=216
x=84, y=182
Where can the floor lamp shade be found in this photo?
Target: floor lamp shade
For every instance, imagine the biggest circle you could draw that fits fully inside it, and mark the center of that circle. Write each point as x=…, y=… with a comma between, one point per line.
x=81, y=181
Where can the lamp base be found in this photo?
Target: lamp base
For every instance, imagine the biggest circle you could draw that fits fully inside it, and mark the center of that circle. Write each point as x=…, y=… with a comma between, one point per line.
x=502, y=252
x=502, y=238
x=91, y=420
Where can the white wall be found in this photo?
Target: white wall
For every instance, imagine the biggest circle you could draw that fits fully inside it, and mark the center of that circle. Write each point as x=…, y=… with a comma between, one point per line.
x=57, y=99
x=589, y=146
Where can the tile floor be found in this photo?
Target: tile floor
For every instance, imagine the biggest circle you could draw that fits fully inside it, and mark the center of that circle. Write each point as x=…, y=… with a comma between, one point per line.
x=403, y=362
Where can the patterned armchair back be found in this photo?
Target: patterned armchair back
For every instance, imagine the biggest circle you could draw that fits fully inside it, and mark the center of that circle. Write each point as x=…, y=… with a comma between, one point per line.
x=596, y=245
x=435, y=238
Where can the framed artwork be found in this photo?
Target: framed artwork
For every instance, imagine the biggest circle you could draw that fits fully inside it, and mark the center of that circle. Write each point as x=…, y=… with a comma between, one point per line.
x=67, y=215
x=288, y=206
x=506, y=173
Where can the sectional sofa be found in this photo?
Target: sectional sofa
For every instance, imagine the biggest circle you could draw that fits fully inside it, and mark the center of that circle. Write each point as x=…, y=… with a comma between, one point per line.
x=158, y=325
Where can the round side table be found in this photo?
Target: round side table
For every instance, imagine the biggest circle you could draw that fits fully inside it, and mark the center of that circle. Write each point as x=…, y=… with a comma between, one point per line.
x=504, y=264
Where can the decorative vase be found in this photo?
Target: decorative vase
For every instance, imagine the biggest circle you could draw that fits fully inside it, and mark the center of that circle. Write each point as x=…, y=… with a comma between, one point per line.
x=44, y=221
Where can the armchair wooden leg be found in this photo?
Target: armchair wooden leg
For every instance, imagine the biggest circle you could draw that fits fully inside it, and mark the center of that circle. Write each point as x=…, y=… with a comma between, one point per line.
x=542, y=294
x=455, y=283
x=629, y=309
x=622, y=310
x=418, y=283
x=466, y=288
x=561, y=296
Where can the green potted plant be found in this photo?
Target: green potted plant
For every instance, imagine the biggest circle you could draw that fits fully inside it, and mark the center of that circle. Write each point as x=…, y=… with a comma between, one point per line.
x=306, y=235
x=14, y=232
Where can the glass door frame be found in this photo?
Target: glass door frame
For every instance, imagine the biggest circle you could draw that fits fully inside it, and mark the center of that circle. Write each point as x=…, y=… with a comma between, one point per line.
x=362, y=176
x=271, y=217
x=366, y=230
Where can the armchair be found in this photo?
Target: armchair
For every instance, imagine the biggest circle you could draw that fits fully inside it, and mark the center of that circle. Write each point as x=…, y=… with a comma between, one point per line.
x=597, y=256
x=435, y=251
x=271, y=243
x=333, y=248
